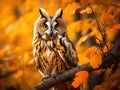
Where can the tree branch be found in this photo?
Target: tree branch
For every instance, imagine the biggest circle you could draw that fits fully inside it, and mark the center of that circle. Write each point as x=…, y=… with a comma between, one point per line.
x=69, y=74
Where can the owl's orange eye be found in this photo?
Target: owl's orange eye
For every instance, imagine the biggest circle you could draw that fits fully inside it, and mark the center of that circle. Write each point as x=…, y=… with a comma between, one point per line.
x=56, y=26
x=45, y=26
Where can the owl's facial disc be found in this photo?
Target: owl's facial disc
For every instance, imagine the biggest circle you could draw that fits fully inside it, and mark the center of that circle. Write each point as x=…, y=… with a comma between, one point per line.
x=50, y=32
x=51, y=27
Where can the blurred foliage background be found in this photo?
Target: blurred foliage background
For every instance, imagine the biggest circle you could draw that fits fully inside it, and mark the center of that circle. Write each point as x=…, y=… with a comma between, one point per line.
x=17, y=17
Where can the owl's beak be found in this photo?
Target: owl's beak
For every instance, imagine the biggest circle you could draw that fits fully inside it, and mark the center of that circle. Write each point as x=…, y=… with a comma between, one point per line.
x=49, y=34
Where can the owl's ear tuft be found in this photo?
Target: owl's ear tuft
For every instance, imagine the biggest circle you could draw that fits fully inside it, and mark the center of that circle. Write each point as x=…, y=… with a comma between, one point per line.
x=59, y=13
x=43, y=13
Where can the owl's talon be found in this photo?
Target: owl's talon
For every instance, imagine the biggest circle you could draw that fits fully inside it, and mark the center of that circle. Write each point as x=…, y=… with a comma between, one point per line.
x=54, y=75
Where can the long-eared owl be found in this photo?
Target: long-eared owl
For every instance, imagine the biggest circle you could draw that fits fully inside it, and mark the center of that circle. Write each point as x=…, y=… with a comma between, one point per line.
x=54, y=52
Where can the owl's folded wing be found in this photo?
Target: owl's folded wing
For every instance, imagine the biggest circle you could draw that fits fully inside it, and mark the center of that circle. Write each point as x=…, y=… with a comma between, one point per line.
x=67, y=52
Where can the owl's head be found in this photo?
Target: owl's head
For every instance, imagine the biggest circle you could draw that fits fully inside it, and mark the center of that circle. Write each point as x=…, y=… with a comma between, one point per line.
x=50, y=27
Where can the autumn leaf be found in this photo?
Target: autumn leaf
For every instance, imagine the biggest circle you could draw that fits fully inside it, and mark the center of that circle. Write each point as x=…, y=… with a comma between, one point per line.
x=88, y=53
x=86, y=2
x=106, y=19
x=88, y=10
x=18, y=74
x=95, y=61
x=116, y=26
x=111, y=33
x=107, y=47
x=80, y=77
x=70, y=10
x=94, y=55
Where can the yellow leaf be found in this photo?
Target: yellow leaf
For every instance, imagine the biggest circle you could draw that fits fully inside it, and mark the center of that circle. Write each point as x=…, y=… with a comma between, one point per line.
x=88, y=10
x=70, y=10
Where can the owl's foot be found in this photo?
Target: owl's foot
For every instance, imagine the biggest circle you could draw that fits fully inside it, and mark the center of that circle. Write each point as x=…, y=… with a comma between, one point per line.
x=53, y=75
x=60, y=72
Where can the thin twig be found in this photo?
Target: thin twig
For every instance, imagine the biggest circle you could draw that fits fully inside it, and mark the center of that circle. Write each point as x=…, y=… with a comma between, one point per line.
x=96, y=21
x=103, y=34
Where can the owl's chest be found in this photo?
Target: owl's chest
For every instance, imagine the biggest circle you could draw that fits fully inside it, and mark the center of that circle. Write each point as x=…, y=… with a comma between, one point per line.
x=47, y=52
x=47, y=49
x=49, y=56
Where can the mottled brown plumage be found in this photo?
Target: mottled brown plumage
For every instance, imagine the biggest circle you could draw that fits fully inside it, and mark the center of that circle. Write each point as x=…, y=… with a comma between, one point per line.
x=54, y=52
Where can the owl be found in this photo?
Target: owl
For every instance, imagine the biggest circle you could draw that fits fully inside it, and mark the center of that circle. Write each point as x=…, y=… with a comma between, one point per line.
x=53, y=51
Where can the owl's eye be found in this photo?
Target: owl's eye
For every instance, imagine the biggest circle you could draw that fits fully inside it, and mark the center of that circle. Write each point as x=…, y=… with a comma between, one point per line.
x=56, y=26
x=45, y=26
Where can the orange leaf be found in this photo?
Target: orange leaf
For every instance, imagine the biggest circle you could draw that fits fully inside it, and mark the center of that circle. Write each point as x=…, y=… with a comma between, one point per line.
x=116, y=26
x=81, y=76
x=95, y=61
x=86, y=1
x=70, y=10
x=106, y=18
x=18, y=74
x=106, y=48
x=89, y=51
x=94, y=54
x=111, y=9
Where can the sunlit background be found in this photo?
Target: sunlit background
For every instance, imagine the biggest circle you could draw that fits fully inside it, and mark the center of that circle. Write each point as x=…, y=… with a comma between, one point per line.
x=17, y=18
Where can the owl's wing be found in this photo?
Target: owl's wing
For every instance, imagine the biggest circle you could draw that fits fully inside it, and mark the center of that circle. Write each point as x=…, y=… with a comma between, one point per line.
x=67, y=52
